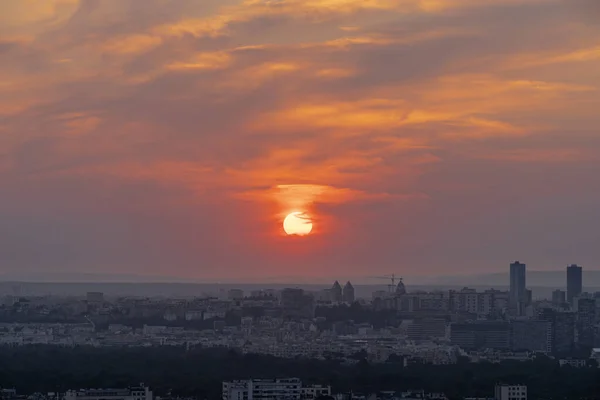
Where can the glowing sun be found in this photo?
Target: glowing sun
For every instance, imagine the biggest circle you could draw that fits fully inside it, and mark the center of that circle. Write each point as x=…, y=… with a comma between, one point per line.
x=297, y=223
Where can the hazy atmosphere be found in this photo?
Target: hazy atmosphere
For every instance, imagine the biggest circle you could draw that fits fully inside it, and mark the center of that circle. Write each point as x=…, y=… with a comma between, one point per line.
x=425, y=138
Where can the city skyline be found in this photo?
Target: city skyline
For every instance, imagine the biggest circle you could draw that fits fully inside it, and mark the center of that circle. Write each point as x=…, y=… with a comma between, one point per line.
x=422, y=138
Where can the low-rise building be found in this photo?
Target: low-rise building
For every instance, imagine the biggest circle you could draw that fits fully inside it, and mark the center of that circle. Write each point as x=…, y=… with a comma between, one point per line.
x=510, y=392
x=140, y=392
x=272, y=389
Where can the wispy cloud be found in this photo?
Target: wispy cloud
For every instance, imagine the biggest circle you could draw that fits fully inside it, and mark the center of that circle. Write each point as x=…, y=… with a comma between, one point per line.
x=401, y=124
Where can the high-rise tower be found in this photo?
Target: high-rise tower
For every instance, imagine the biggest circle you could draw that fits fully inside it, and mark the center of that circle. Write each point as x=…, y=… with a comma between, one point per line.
x=336, y=292
x=518, y=291
x=574, y=282
x=348, y=293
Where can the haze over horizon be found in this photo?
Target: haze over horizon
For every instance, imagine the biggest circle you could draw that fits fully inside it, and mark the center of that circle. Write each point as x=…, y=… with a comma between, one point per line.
x=171, y=138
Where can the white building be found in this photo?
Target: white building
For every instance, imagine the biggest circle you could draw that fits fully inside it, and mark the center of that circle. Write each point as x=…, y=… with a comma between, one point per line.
x=596, y=355
x=312, y=392
x=132, y=393
x=271, y=389
x=511, y=392
x=575, y=363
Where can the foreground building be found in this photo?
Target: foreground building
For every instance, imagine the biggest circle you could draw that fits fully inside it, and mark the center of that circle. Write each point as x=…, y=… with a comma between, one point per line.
x=510, y=392
x=272, y=389
x=140, y=392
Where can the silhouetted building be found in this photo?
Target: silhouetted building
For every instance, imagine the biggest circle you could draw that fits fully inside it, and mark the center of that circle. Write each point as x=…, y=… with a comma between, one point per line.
x=481, y=303
x=574, y=282
x=296, y=304
x=132, y=393
x=400, y=288
x=348, y=293
x=272, y=389
x=336, y=292
x=563, y=329
x=510, y=392
x=518, y=295
x=426, y=329
x=481, y=335
x=586, y=319
x=531, y=335
x=559, y=297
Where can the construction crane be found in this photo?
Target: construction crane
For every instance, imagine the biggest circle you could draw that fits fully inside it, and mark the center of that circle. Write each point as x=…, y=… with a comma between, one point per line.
x=90, y=321
x=393, y=278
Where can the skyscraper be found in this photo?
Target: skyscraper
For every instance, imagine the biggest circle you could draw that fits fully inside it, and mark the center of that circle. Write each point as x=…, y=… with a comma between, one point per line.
x=574, y=282
x=336, y=292
x=518, y=291
x=348, y=293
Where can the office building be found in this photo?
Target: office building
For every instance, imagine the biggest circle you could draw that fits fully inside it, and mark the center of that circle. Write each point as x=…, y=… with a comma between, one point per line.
x=427, y=329
x=510, y=392
x=481, y=335
x=132, y=393
x=586, y=319
x=272, y=389
x=574, y=282
x=563, y=329
x=531, y=335
x=518, y=288
x=348, y=293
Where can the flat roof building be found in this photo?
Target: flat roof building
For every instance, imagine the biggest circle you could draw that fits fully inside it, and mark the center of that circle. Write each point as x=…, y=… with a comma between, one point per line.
x=140, y=392
x=510, y=392
x=272, y=389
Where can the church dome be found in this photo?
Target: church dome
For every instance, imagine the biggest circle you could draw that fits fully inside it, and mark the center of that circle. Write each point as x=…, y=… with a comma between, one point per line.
x=400, y=288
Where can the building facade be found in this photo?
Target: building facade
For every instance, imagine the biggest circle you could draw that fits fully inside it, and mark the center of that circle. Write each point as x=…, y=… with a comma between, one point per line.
x=336, y=292
x=481, y=335
x=518, y=286
x=574, y=282
x=563, y=329
x=531, y=335
x=348, y=293
x=272, y=389
x=586, y=319
x=510, y=392
x=140, y=392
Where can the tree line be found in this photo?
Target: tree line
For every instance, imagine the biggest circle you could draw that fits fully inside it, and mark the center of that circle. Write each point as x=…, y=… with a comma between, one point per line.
x=199, y=372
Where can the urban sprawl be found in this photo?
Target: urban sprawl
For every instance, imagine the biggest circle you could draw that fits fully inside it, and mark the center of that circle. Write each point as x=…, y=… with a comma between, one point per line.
x=416, y=327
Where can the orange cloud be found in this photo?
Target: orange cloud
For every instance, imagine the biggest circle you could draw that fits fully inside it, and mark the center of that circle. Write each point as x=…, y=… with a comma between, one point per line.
x=540, y=155
x=79, y=123
x=207, y=61
x=133, y=44
x=302, y=197
x=523, y=61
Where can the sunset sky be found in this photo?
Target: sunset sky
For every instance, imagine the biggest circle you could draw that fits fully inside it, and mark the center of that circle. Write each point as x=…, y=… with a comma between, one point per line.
x=422, y=137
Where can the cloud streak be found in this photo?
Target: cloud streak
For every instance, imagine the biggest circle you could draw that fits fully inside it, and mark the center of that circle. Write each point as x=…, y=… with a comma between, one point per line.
x=409, y=130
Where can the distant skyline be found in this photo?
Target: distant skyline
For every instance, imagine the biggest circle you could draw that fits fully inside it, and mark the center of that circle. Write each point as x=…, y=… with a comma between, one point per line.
x=171, y=138
x=549, y=279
